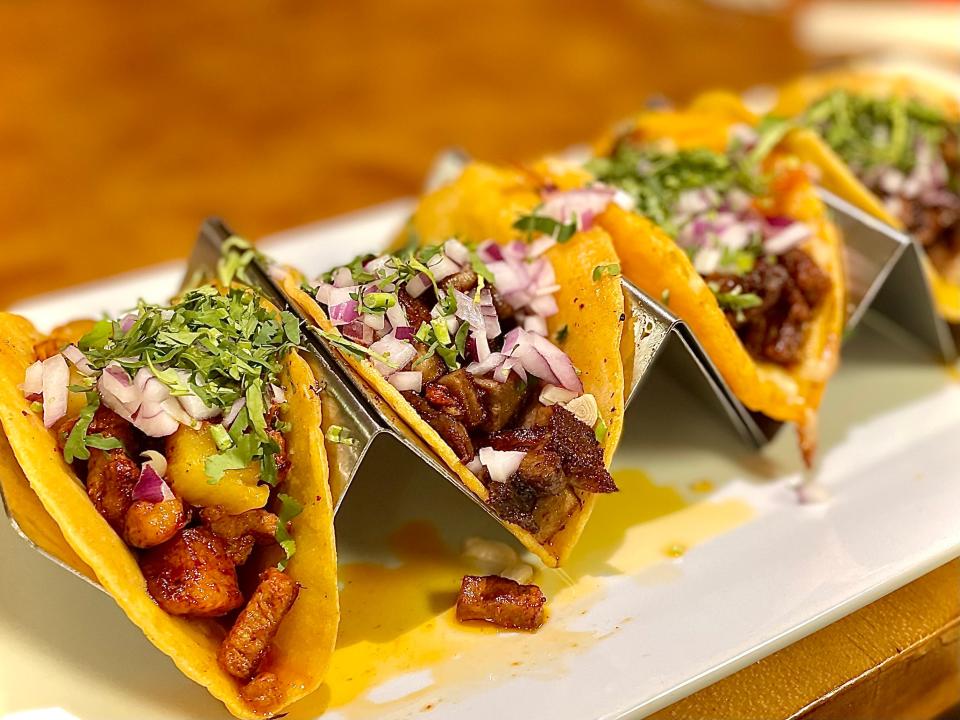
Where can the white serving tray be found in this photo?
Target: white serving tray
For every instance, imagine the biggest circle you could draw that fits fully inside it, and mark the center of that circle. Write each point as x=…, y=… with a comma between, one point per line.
x=632, y=628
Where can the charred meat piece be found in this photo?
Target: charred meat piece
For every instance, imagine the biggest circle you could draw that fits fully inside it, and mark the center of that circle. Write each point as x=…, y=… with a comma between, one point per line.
x=504, y=309
x=239, y=548
x=449, y=428
x=542, y=470
x=431, y=366
x=192, y=575
x=500, y=601
x=456, y=394
x=580, y=454
x=249, y=639
x=524, y=438
x=790, y=289
x=111, y=476
x=501, y=400
x=148, y=524
x=415, y=308
x=514, y=502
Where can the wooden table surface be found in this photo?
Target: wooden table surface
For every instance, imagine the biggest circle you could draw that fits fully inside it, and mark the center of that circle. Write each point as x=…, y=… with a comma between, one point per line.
x=123, y=124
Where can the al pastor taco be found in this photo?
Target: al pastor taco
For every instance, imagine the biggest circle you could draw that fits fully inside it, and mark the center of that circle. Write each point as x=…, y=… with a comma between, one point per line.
x=890, y=145
x=179, y=451
x=503, y=356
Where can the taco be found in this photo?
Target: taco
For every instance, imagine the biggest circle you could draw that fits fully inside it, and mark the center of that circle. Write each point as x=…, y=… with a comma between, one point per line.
x=179, y=451
x=710, y=216
x=891, y=147
x=503, y=357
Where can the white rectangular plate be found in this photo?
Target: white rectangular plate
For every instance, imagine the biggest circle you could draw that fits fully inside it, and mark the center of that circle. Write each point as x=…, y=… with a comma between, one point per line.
x=703, y=564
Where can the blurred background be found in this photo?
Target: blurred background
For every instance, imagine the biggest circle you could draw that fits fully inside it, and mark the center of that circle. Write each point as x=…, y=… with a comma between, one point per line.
x=123, y=124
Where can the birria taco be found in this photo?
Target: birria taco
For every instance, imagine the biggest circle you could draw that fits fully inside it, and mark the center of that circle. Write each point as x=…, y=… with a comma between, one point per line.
x=892, y=147
x=179, y=451
x=503, y=356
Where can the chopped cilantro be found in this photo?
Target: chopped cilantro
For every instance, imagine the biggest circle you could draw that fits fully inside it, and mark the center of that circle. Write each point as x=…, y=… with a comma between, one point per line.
x=562, y=334
x=665, y=297
x=340, y=435
x=559, y=231
x=102, y=442
x=289, y=509
x=600, y=429
x=613, y=270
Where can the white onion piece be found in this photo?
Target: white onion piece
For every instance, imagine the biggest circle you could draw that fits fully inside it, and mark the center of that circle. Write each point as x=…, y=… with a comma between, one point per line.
x=418, y=285
x=585, y=409
x=487, y=364
x=539, y=246
x=399, y=353
x=33, y=379
x=277, y=394
x=490, y=555
x=456, y=251
x=555, y=395
x=196, y=408
x=545, y=306
x=79, y=360
x=501, y=464
x=56, y=378
x=234, y=410
x=442, y=267
x=342, y=277
x=340, y=295
x=470, y=312
x=475, y=466
x=323, y=293
x=397, y=316
x=155, y=460
x=789, y=237
x=411, y=380
x=374, y=321
x=535, y=324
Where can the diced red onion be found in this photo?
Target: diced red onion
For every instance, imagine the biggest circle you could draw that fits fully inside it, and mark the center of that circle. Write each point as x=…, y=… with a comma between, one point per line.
x=456, y=251
x=151, y=486
x=363, y=334
x=404, y=332
x=418, y=285
x=234, y=410
x=489, y=251
x=397, y=316
x=442, y=267
x=545, y=306
x=540, y=245
x=155, y=460
x=79, y=360
x=788, y=238
x=398, y=352
x=323, y=293
x=411, y=380
x=344, y=313
x=501, y=464
x=584, y=203
x=535, y=324
x=127, y=322
x=342, y=277
x=469, y=311
x=33, y=379
x=56, y=378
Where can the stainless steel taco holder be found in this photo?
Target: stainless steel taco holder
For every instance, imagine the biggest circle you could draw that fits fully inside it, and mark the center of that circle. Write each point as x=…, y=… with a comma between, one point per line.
x=884, y=271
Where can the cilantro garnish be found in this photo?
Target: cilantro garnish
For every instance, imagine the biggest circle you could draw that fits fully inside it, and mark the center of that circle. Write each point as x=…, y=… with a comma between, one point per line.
x=600, y=429
x=534, y=223
x=289, y=509
x=236, y=254
x=736, y=299
x=613, y=270
x=340, y=435
x=562, y=334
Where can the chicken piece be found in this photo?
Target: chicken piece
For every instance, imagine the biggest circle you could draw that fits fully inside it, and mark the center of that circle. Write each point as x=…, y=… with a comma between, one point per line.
x=192, y=575
x=260, y=524
x=239, y=549
x=500, y=601
x=107, y=423
x=149, y=524
x=111, y=476
x=249, y=639
x=264, y=693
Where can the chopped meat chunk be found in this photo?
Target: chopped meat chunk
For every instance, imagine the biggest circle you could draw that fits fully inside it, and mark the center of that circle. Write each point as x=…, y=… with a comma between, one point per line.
x=580, y=453
x=501, y=400
x=415, y=308
x=192, y=575
x=514, y=502
x=463, y=281
x=500, y=601
x=264, y=693
x=524, y=438
x=504, y=309
x=111, y=476
x=249, y=639
x=790, y=289
x=455, y=394
x=148, y=524
x=543, y=471
x=431, y=367
x=239, y=548
x=449, y=428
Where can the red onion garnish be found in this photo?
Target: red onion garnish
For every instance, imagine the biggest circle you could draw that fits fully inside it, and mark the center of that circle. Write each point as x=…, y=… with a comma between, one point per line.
x=234, y=410
x=344, y=313
x=79, y=360
x=584, y=204
x=151, y=487
x=418, y=285
x=398, y=353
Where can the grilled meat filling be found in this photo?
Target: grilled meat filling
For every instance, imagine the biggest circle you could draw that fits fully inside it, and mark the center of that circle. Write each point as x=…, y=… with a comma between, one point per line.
x=790, y=289
x=500, y=601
